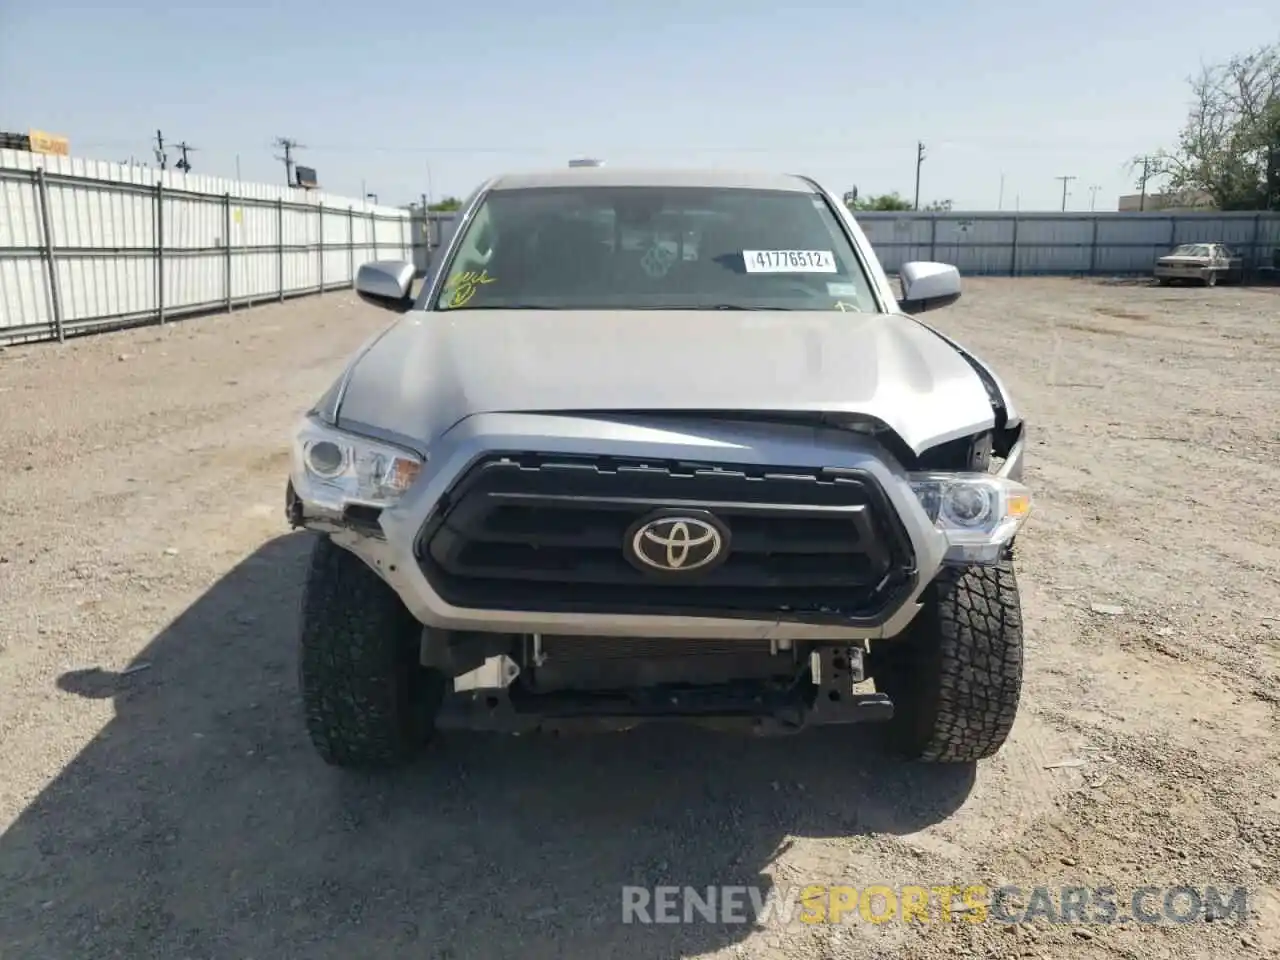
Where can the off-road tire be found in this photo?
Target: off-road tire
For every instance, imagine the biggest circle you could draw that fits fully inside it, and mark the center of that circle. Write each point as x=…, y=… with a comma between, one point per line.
x=955, y=675
x=366, y=700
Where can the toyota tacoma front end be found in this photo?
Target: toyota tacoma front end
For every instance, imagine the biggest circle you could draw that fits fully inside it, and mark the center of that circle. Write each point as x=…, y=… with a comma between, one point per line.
x=654, y=446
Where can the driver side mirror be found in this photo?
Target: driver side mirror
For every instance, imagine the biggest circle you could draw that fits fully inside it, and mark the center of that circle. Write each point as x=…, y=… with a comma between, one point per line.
x=387, y=284
x=928, y=286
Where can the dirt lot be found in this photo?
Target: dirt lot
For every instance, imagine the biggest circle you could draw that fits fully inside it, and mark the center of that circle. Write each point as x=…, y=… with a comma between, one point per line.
x=178, y=811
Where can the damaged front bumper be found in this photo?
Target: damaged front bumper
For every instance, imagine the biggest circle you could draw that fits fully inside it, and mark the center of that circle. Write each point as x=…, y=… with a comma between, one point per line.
x=387, y=535
x=490, y=699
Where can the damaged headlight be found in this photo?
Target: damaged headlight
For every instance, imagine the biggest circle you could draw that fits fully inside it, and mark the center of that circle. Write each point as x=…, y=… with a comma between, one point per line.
x=333, y=469
x=977, y=512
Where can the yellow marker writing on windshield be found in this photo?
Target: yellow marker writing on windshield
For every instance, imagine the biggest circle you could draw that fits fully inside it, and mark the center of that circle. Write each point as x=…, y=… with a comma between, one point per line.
x=464, y=286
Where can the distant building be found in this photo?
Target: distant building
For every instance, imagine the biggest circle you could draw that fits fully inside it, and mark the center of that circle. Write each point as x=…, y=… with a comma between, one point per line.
x=1183, y=200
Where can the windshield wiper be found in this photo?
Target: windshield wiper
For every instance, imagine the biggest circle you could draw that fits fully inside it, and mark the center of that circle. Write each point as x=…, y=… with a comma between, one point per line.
x=710, y=306
x=504, y=306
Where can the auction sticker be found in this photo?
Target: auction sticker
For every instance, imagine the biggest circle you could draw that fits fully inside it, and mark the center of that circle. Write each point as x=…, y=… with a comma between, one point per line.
x=789, y=261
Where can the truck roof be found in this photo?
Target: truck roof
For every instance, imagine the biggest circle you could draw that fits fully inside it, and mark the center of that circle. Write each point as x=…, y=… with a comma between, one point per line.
x=652, y=177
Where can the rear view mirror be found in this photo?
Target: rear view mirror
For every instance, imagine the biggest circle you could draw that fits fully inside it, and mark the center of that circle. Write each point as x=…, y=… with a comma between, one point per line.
x=928, y=286
x=387, y=284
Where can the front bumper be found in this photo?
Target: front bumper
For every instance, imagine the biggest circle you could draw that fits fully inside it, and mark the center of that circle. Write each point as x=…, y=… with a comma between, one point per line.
x=390, y=542
x=1181, y=271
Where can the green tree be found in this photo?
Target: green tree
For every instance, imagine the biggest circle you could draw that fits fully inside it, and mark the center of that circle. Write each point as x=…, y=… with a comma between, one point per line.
x=1229, y=146
x=448, y=203
x=885, y=201
x=892, y=201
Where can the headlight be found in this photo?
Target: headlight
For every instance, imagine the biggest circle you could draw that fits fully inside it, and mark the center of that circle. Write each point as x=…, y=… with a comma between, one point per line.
x=977, y=512
x=333, y=469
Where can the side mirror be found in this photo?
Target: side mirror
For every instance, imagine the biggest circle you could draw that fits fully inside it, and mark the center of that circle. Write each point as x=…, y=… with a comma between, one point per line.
x=928, y=286
x=387, y=284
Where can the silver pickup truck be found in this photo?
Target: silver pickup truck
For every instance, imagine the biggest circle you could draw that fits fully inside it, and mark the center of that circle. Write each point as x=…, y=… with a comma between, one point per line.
x=659, y=445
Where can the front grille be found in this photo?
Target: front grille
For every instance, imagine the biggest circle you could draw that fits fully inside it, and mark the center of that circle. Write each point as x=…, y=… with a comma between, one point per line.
x=546, y=533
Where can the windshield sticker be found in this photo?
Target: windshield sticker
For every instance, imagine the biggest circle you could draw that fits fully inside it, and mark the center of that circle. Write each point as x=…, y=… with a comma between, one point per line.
x=842, y=290
x=465, y=285
x=789, y=261
x=847, y=307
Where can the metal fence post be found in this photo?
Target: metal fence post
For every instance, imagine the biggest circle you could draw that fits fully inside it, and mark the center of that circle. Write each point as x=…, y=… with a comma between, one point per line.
x=1093, y=248
x=320, y=241
x=160, y=249
x=1255, y=248
x=1013, y=249
x=373, y=233
x=280, y=246
x=351, y=245
x=933, y=237
x=226, y=229
x=55, y=297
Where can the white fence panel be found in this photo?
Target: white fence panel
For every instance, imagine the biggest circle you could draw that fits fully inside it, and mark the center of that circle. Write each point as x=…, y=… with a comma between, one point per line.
x=1004, y=243
x=126, y=244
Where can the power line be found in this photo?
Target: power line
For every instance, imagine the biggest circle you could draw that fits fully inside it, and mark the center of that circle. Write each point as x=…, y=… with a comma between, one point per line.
x=1065, y=181
x=288, y=146
x=813, y=147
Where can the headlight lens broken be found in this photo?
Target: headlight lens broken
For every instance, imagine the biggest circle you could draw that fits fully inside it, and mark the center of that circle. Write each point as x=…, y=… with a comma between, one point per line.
x=977, y=512
x=334, y=470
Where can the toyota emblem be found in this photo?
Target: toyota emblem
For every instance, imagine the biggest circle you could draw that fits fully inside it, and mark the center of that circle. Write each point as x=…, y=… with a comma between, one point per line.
x=677, y=543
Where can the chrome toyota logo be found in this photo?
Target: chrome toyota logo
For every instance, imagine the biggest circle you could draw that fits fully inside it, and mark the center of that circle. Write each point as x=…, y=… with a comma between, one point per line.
x=676, y=544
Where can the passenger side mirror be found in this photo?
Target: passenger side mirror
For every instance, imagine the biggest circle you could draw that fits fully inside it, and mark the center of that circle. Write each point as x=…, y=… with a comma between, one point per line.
x=928, y=286
x=387, y=284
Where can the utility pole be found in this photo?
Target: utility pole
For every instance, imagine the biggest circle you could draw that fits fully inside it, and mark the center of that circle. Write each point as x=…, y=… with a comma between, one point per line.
x=919, y=160
x=184, y=164
x=161, y=157
x=1065, y=181
x=1093, y=197
x=1149, y=170
x=288, y=146
x=1000, y=202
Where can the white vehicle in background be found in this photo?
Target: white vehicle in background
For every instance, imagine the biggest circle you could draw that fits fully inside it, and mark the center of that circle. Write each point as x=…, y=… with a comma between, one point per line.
x=1205, y=263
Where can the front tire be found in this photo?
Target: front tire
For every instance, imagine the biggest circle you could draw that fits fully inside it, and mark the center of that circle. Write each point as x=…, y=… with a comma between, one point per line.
x=955, y=675
x=367, y=701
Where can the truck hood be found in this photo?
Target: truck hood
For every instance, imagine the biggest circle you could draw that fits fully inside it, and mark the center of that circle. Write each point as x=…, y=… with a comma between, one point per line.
x=432, y=369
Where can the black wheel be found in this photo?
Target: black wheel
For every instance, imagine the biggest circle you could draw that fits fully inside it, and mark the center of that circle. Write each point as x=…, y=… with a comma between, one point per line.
x=367, y=701
x=955, y=676
x=1162, y=281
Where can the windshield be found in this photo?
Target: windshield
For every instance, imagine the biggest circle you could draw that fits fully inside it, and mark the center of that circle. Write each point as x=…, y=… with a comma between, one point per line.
x=1191, y=250
x=649, y=248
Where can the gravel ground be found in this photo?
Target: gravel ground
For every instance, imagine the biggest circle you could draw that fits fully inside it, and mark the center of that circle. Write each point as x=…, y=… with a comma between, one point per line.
x=159, y=798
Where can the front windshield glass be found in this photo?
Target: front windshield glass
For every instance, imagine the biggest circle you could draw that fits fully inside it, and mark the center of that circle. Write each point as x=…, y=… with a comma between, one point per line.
x=651, y=248
x=1191, y=250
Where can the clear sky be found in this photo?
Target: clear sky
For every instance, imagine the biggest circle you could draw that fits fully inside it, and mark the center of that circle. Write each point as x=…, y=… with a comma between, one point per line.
x=407, y=97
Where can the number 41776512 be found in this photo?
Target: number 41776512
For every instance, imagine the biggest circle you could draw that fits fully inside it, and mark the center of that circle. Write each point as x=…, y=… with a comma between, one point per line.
x=789, y=261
